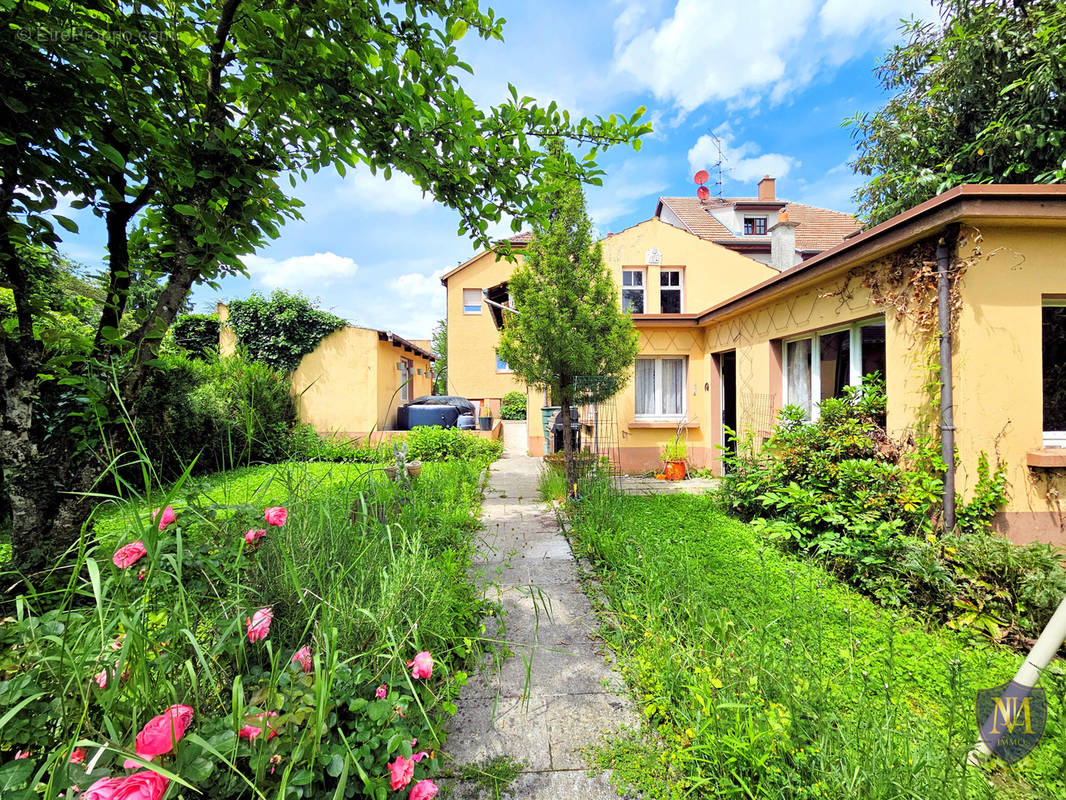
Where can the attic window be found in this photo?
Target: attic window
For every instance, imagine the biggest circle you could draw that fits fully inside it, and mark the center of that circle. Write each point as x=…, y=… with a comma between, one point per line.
x=754, y=226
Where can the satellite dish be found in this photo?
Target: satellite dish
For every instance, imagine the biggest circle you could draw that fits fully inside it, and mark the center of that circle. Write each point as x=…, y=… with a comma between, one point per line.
x=701, y=176
x=703, y=193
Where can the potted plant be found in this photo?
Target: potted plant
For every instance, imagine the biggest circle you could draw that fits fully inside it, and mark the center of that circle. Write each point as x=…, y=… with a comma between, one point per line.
x=674, y=455
x=485, y=418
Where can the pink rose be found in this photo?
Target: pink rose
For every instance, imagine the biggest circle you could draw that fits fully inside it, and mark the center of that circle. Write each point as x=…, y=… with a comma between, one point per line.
x=423, y=790
x=144, y=785
x=161, y=733
x=165, y=518
x=303, y=655
x=103, y=789
x=22, y=754
x=401, y=771
x=251, y=731
x=254, y=536
x=128, y=555
x=381, y=691
x=77, y=756
x=101, y=678
x=259, y=624
x=419, y=756
x=276, y=516
x=422, y=666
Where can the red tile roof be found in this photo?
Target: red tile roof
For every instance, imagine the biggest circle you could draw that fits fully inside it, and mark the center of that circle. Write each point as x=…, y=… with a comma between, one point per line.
x=819, y=228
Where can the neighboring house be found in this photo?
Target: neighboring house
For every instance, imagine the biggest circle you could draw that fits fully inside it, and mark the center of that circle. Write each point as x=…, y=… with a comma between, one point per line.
x=353, y=382
x=750, y=225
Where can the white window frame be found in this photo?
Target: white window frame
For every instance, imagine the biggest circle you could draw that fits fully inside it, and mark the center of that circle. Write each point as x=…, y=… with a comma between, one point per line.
x=643, y=287
x=1051, y=438
x=658, y=415
x=406, y=373
x=744, y=223
x=470, y=308
x=854, y=358
x=501, y=361
x=680, y=289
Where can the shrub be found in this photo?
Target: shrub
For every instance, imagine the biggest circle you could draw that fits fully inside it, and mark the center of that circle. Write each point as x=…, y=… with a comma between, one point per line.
x=513, y=406
x=839, y=489
x=423, y=444
x=281, y=330
x=197, y=333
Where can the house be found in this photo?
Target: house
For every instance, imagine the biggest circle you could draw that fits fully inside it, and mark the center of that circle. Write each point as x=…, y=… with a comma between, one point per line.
x=749, y=225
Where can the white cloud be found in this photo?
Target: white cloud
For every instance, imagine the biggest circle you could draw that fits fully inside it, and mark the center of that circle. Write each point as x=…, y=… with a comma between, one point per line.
x=398, y=195
x=416, y=284
x=301, y=272
x=743, y=53
x=743, y=162
x=635, y=180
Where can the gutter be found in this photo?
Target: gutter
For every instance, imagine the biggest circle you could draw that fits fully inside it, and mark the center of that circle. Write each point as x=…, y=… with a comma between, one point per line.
x=945, y=249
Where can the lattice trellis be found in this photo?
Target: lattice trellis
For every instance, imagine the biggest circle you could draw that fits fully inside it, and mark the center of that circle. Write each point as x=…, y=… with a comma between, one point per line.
x=595, y=398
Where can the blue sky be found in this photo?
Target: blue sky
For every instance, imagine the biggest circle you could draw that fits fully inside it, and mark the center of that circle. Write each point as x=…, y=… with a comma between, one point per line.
x=772, y=79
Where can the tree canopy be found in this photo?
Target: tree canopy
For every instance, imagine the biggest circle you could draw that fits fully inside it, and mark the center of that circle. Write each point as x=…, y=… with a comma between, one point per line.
x=980, y=97
x=568, y=321
x=184, y=126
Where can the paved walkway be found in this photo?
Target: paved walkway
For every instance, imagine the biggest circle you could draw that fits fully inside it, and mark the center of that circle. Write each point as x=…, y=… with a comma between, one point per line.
x=555, y=695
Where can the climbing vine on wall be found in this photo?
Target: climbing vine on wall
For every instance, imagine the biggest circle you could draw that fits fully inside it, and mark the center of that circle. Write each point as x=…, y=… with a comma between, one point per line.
x=281, y=329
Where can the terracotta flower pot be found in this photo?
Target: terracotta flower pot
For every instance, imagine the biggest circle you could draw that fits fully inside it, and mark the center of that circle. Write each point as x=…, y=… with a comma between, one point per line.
x=675, y=470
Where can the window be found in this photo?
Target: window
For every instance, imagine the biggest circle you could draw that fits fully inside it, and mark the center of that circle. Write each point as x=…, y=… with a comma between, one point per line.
x=407, y=368
x=633, y=291
x=1053, y=342
x=670, y=285
x=825, y=364
x=501, y=365
x=471, y=301
x=754, y=226
x=660, y=387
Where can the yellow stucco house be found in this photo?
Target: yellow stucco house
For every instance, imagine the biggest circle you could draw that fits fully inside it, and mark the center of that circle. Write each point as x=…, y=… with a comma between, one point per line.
x=740, y=339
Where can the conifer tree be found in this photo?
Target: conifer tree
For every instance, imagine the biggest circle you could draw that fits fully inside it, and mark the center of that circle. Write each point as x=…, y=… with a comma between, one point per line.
x=568, y=321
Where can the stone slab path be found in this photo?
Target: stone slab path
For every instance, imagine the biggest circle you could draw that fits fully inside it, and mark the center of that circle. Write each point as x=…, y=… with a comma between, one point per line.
x=555, y=695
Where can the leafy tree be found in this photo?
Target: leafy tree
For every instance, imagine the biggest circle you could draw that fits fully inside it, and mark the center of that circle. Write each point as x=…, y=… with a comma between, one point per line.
x=979, y=99
x=568, y=321
x=439, y=339
x=178, y=123
x=281, y=329
x=197, y=334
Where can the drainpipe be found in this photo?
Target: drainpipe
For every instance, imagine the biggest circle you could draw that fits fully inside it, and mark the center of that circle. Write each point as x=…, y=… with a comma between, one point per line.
x=947, y=403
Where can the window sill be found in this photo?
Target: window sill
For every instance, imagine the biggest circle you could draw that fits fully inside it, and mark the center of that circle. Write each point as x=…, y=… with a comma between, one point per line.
x=665, y=423
x=1046, y=458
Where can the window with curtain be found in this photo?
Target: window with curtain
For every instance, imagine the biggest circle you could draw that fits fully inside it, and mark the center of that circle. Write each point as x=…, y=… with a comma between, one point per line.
x=660, y=387
x=471, y=301
x=798, y=377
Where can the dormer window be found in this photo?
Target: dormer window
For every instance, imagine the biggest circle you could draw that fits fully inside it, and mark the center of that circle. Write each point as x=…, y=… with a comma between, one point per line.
x=754, y=226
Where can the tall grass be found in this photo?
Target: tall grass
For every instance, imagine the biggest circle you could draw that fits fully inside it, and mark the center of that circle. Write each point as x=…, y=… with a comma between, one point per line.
x=765, y=677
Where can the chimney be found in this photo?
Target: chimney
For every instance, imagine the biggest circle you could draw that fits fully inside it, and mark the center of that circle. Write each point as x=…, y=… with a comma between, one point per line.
x=782, y=241
x=766, y=188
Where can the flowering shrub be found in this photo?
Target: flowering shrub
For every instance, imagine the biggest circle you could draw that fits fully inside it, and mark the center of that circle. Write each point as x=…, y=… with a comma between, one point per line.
x=183, y=657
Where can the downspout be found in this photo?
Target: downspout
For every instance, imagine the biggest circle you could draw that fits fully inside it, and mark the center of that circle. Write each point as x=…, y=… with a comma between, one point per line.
x=944, y=249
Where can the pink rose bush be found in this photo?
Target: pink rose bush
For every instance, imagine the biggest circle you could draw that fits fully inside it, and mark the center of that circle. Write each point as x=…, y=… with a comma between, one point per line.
x=381, y=692
x=253, y=536
x=401, y=771
x=303, y=657
x=144, y=785
x=252, y=731
x=130, y=554
x=161, y=733
x=422, y=665
x=276, y=516
x=259, y=624
x=168, y=516
x=423, y=790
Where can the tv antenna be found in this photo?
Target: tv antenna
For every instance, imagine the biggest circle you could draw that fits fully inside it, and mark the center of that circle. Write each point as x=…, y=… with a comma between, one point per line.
x=717, y=165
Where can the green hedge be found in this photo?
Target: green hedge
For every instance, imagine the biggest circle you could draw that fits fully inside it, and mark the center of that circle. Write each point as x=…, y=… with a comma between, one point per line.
x=513, y=406
x=197, y=334
x=423, y=444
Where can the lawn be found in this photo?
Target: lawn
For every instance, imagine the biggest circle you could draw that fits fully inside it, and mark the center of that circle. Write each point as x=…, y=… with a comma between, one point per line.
x=364, y=573
x=764, y=676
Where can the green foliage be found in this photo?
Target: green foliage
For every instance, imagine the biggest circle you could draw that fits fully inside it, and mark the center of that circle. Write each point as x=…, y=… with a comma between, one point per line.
x=978, y=100
x=424, y=443
x=760, y=675
x=676, y=450
x=223, y=412
x=552, y=484
x=197, y=333
x=513, y=406
x=363, y=572
x=281, y=329
x=439, y=346
x=840, y=490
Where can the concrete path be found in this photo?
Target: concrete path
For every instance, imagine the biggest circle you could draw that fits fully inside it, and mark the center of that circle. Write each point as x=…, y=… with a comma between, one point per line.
x=556, y=695
x=636, y=485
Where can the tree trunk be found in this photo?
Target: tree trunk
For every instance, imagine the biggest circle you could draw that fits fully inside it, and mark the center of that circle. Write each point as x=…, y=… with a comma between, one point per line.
x=566, y=396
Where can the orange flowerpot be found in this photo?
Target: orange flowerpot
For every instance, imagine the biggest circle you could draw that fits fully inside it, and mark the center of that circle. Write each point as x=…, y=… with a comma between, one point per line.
x=675, y=470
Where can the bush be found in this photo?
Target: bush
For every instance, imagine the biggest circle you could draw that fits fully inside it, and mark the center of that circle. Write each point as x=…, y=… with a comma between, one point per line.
x=838, y=488
x=223, y=412
x=197, y=333
x=513, y=406
x=423, y=444
x=281, y=330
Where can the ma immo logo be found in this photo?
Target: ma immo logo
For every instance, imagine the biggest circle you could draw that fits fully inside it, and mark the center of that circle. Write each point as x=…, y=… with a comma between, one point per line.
x=1011, y=718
